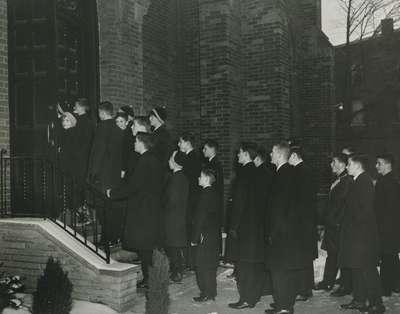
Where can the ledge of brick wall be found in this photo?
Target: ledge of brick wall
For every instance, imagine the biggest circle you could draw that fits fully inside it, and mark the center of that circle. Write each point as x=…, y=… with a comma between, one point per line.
x=26, y=244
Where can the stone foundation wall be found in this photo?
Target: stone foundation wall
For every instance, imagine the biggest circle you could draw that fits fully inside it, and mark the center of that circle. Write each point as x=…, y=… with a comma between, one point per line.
x=25, y=248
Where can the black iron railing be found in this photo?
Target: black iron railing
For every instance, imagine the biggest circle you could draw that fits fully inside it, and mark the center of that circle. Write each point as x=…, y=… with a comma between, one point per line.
x=34, y=187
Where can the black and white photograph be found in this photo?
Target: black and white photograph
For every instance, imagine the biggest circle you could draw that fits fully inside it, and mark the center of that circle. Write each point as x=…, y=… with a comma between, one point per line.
x=199, y=156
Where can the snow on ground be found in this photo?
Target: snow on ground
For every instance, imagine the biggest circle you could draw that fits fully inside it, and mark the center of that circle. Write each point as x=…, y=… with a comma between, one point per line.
x=78, y=307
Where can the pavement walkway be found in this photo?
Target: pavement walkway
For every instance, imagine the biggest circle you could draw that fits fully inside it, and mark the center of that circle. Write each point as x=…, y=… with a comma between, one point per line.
x=181, y=300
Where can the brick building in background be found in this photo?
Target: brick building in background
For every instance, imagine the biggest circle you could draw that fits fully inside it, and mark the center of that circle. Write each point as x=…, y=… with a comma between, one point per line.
x=371, y=123
x=259, y=70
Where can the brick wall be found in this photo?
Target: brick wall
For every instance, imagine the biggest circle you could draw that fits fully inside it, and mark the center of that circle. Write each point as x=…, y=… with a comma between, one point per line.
x=266, y=69
x=316, y=92
x=121, y=51
x=189, y=79
x=4, y=110
x=160, y=58
x=220, y=75
x=224, y=69
x=317, y=96
x=25, y=248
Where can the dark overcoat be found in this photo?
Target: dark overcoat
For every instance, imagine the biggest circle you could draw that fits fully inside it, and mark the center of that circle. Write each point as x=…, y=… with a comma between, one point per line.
x=359, y=244
x=216, y=165
x=129, y=156
x=144, y=193
x=67, y=155
x=105, y=162
x=176, y=199
x=306, y=206
x=286, y=249
x=163, y=147
x=334, y=212
x=68, y=152
x=247, y=217
x=85, y=132
x=265, y=177
x=206, y=230
x=387, y=209
x=192, y=168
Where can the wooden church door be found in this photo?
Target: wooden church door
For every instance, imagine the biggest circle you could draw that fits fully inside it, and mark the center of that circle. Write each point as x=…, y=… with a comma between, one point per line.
x=53, y=59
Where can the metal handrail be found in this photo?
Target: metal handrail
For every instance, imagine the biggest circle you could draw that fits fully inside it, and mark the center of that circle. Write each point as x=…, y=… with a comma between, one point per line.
x=35, y=187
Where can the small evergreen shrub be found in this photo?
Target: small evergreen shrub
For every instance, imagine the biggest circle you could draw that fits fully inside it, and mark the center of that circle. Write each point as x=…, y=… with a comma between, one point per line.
x=158, y=298
x=53, y=291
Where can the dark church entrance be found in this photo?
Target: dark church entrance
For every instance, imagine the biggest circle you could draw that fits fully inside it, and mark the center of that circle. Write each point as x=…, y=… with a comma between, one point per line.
x=53, y=60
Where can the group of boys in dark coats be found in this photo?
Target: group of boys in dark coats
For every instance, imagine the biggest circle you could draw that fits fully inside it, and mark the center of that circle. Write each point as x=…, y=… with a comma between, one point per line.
x=360, y=232
x=272, y=224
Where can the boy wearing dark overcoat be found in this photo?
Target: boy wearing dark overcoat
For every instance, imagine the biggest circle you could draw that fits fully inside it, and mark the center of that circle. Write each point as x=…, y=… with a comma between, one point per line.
x=105, y=161
x=306, y=229
x=210, y=151
x=191, y=169
x=144, y=193
x=359, y=240
x=333, y=219
x=205, y=236
x=284, y=245
x=105, y=166
x=387, y=208
x=176, y=199
x=85, y=130
x=247, y=230
x=163, y=142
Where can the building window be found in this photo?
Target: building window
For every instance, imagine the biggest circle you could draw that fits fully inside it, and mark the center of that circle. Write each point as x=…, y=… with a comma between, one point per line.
x=358, y=113
x=357, y=71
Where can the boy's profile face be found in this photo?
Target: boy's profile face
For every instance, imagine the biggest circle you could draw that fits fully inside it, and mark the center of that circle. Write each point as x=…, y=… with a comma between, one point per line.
x=102, y=115
x=381, y=166
x=258, y=161
x=242, y=156
x=208, y=151
x=183, y=146
x=153, y=120
x=78, y=109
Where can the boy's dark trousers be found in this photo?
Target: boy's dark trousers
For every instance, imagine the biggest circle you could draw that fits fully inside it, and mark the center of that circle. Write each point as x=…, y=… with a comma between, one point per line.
x=306, y=280
x=284, y=285
x=207, y=281
x=331, y=268
x=390, y=272
x=366, y=285
x=115, y=221
x=175, y=255
x=146, y=258
x=250, y=281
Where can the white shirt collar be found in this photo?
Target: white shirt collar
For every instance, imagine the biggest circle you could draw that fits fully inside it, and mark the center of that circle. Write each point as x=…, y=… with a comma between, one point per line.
x=189, y=151
x=277, y=168
x=355, y=177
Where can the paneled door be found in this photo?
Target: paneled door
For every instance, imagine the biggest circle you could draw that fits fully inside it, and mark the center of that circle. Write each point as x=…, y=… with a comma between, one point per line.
x=53, y=59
